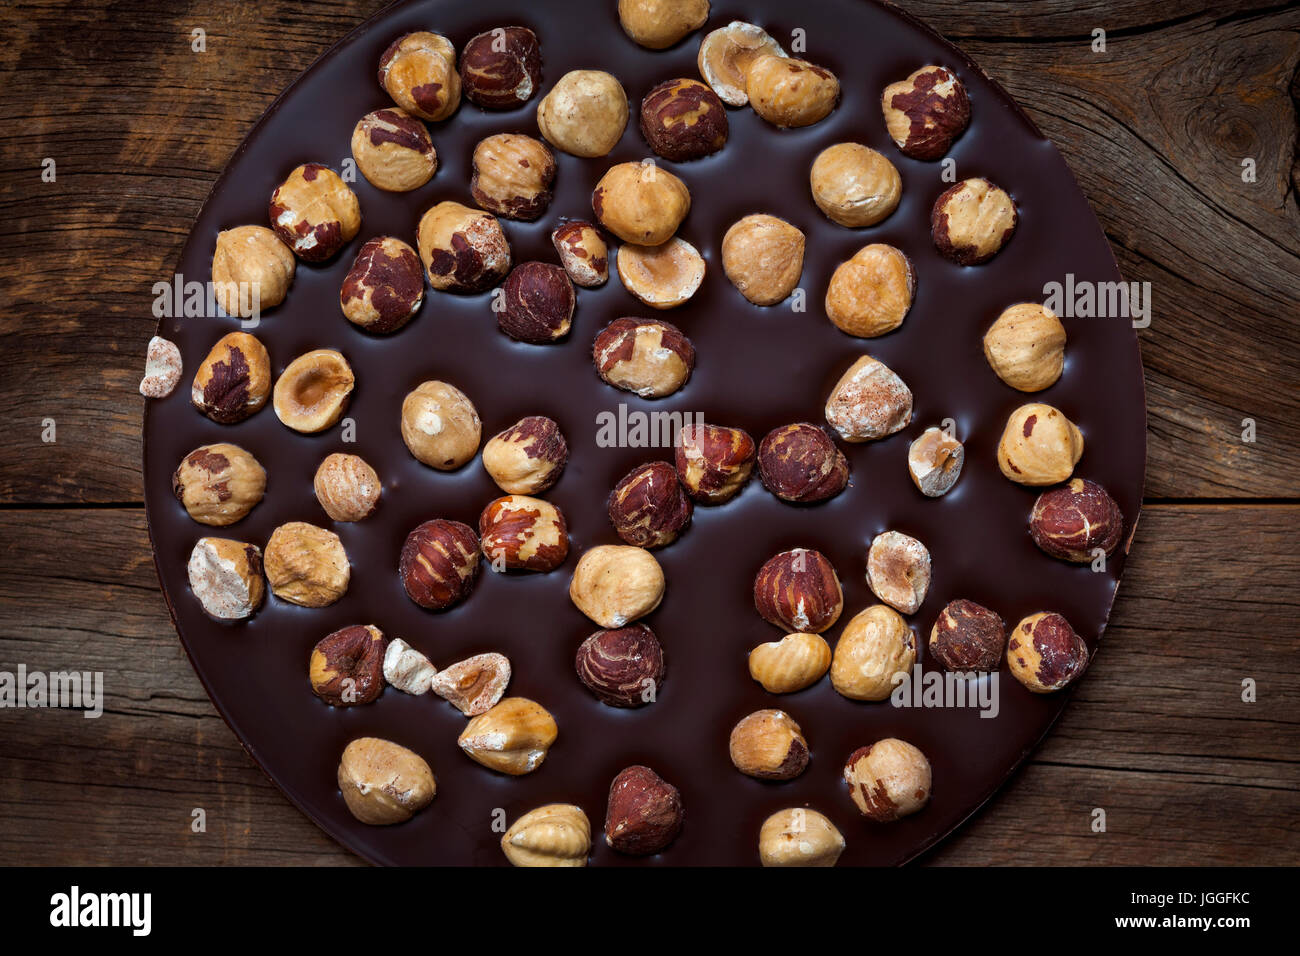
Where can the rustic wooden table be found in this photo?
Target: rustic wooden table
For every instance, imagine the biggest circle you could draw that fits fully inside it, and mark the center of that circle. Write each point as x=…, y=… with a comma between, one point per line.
x=1183, y=133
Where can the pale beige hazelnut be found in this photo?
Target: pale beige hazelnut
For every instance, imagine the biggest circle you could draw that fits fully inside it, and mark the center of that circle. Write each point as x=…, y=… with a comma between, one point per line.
x=1026, y=347
x=726, y=55
x=226, y=578
x=219, y=484
x=419, y=72
x=513, y=175
x=383, y=782
x=347, y=487
x=407, y=669
x=871, y=293
x=790, y=664
x=888, y=780
x=314, y=212
x=788, y=92
x=875, y=652
x=770, y=745
x=972, y=221
x=464, y=250
x=440, y=425
x=312, y=392
x=393, y=150
x=641, y=203
x=558, y=834
x=869, y=402
x=1039, y=446
x=799, y=837
x=763, y=257
x=251, y=270
x=854, y=185
x=934, y=461
x=306, y=565
x=615, y=585
x=663, y=277
x=898, y=570
x=584, y=114
x=513, y=737
x=658, y=24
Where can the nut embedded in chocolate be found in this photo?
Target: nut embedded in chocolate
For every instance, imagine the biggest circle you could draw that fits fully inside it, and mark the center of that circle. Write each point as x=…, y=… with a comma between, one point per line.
x=683, y=120
x=875, y=652
x=762, y=255
x=623, y=667
x=926, y=112
x=234, y=380
x=251, y=270
x=663, y=277
x=790, y=664
x=554, y=835
x=383, y=783
x=1045, y=654
x=1025, y=347
x=889, y=780
x=393, y=150
x=464, y=250
x=1076, y=522
x=1039, y=445
x=439, y=563
x=854, y=185
x=314, y=212
x=584, y=114
x=513, y=175
x=648, y=357
x=313, y=391
x=934, y=461
x=500, y=68
x=583, y=253
x=219, y=484
x=538, y=303
x=727, y=53
x=528, y=457
x=871, y=293
x=226, y=578
x=658, y=24
x=898, y=570
x=475, y=685
x=770, y=745
x=440, y=425
x=799, y=591
x=614, y=584
x=800, y=463
x=418, y=70
x=648, y=507
x=869, y=402
x=645, y=812
x=385, y=286
x=306, y=565
x=513, y=737
x=972, y=221
x=641, y=203
x=968, y=637
x=347, y=667
x=713, y=462
x=518, y=533
x=788, y=92
x=799, y=837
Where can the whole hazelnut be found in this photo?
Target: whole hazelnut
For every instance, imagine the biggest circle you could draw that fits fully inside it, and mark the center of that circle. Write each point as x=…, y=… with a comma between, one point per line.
x=664, y=276
x=972, y=221
x=898, y=570
x=528, y=457
x=968, y=637
x=385, y=286
x=644, y=814
x=314, y=212
x=648, y=507
x=615, y=585
x=714, y=463
x=251, y=270
x=418, y=70
x=219, y=484
x=234, y=379
x=768, y=744
x=475, y=685
x=623, y=667
x=871, y=294
x=641, y=203
x=226, y=578
x=440, y=425
x=1045, y=654
x=658, y=24
x=500, y=69
x=1076, y=521
x=558, y=834
x=584, y=114
x=799, y=591
x=869, y=402
x=306, y=565
x=854, y=185
x=582, y=252
x=513, y=175
x=926, y=112
x=799, y=837
x=645, y=356
x=875, y=652
x=683, y=120
x=538, y=303
x=407, y=669
x=313, y=391
x=934, y=461
x=1025, y=347
x=726, y=55
x=347, y=667
x=393, y=150
x=162, y=368
x=788, y=92
x=790, y=664
x=439, y=563
x=464, y=250
x=1039, y=446
x=888, y=780
x=512, y=738
x=800, y=463
x=347, y=487
x=518, y=533
x=763, y=257
x=384, y=783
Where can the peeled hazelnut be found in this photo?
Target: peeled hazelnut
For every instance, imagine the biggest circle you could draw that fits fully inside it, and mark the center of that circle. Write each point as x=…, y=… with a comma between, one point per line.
x=683, y=120
x=800, y=463
x=874, y=653
x=226, y=577
x=616, y=584
x=513, y=175
x=439, y=563
x=312, y=392
x=251, y=270
x=967, y=637
x=1039, y=446
x=314, y=212
x=663, y=277
x=763, y=257
x=162, y=368
x=393, y=150
x=558, y=834
x=799, y=837
x=645, y=356
x=407, y=669
x=463, y=250
x=713, y=462
x=934, y=461
x=584, y=114
x=790, y=664
x=926, y=112
x=347, y=667
x=440, y=425
x=898, y=570
x=219, y=484
x=528, y=457
x=518, y=533
x=972, y=221
x=307, y=565
x=1074, y=522
x=854, y=185
x=346, y=487
x=768, y=744
x=513, y=737
x=385, y=286
x=418, y=70
x=888, y=780
x=582, y=252
x=501, y=68
x=799, y=591
x=641, y=203
x=538, y=303
x=870, y=294
x=658, y=24
x=622, y=667
x=1026, y=347
x=475, y=685
x=726, y=55
x=788, y=92
x=648, y=507
x=1045, y=654
x=869, y=402
x=645, y=812
x=234, y=380
x=384, y=783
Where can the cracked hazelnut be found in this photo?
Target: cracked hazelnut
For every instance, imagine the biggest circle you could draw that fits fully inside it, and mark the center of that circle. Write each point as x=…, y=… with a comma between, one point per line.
x=234, y=379
x=934, y=461
x=888, y=780
x=312, y=392
x=663, y=277
x=658, y=24
x=926, y=112
x=854, y=185
x=790, y=664
x=800, y=463
x=972, y=221
x=615, y=584
x=584, y=114
x=226, y=578
x=538, y=303
x=518, y=533
x=512, y=738
x=623, y=667
x=1045, y=654
x=440, y=425
x=875, y=652
x=251, y=270
x=463, y=250
x=641, y=203
x=162, y=368
x=644, y=814
x=869, y=402
x=393, y=150
x=513, y=175
x=439, y=563
x=219, y=484
x=871, y=294
x=714, y=463
x=307, y=565
x=968, y=637
x=769, y=745
x=645, y=356
x=347, y=487
x=788, y=92
x=385, y=286
x=528, y=457
x=314, y=212
x=582, y=252
x=1074, y=522
x=763, y=257
x=418, y=70
x=726, y=55
x=1039, y=446
x=898, y=570
x=384, y=783
x=407, y=669
x=475, y=685
x=799, y=591
x=500, y=69
x=347, y=667
x=648, y=507
x=1025, y=347
x=557, y=834
x=799, y=837
x=683, y=120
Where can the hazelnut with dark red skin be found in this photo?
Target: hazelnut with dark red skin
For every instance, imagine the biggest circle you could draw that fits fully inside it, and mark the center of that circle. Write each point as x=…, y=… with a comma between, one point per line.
x=314, y=212
x=538, y=303
x=528, y=457
x=968, y=637
x=347, y=667
x=1076, y=521
x=583, y=253
x=500, y=69
x=645, y=812
x=799, y=591
x=464, y=250
x=714, y=463
x=648, y=357
x=683, y=120
x=800, y=463
x=926, y=112
x=519, y=533
x=648, y=508
x=439, y=563
x=1045, y=654
x=385, y=286
x=623, y=667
